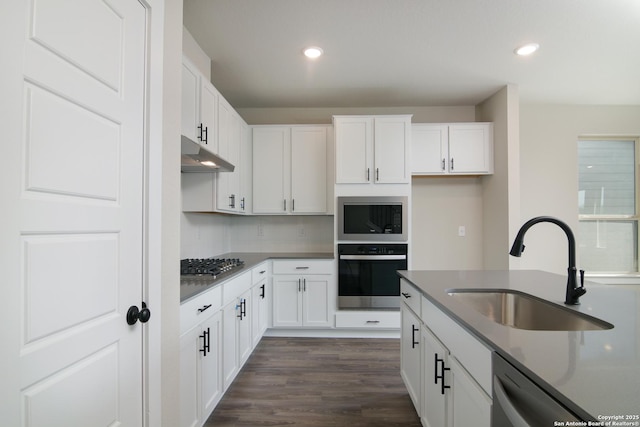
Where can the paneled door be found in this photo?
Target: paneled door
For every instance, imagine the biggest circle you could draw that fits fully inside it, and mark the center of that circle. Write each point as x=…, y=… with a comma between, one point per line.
x=72, y=188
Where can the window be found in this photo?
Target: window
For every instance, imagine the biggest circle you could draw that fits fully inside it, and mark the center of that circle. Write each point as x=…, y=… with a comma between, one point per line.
x=608, y=205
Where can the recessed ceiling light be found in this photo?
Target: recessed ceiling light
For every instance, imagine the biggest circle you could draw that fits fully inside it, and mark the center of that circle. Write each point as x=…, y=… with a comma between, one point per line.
x=312, y=52
x=527, y=49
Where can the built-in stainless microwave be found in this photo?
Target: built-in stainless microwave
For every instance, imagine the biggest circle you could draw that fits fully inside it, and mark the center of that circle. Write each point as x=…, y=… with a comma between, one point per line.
x=382, y=219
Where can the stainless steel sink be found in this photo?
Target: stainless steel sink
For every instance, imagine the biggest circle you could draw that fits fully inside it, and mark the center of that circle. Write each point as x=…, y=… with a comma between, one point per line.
x=523, y=311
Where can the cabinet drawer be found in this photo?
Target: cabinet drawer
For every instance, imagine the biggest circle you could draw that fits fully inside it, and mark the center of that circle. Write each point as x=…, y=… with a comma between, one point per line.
x=303, y=266
x=368, y=319
x=200, y=308
x=471, y=353
x=235, y=287
x=259, y=272
x=410, y=295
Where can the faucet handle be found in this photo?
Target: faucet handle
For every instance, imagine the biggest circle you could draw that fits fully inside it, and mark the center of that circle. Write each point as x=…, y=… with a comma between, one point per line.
x=582, y=278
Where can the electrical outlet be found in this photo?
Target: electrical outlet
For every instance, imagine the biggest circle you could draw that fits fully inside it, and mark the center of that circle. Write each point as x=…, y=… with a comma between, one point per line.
x=462, y=231
x=301, y=231
x=260, y=230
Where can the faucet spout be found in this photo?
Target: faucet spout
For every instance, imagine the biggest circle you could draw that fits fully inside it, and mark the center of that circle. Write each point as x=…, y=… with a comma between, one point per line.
x=574, y=292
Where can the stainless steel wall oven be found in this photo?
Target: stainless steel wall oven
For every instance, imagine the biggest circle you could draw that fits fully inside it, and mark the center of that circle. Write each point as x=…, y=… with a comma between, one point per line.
x=367, y=275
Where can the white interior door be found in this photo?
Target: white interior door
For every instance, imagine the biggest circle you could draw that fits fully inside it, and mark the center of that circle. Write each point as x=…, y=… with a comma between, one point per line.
x=72, y=168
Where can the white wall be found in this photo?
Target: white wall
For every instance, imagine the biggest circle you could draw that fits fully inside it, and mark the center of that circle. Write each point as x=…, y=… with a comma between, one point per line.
x=549, y=171
x=501, y=190
x=440, y=206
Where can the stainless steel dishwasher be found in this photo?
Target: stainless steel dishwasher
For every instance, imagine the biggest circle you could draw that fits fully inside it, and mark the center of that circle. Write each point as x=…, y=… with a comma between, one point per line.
x=519, y=402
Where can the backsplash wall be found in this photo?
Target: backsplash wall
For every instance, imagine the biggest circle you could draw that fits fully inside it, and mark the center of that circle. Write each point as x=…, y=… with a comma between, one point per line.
x=207, y=235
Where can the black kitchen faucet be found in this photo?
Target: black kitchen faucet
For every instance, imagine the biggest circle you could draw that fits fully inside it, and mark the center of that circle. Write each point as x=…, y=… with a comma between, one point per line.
x=573, y=291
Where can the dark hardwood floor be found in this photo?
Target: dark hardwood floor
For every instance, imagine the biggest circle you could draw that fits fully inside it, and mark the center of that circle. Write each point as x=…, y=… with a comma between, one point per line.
x=319, y=382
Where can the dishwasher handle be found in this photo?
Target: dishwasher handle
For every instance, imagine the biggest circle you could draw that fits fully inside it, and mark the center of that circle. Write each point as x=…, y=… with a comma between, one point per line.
x=507, y=406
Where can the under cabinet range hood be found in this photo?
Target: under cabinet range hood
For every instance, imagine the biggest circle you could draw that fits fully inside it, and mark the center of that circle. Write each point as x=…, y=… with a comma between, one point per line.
x=196, y=158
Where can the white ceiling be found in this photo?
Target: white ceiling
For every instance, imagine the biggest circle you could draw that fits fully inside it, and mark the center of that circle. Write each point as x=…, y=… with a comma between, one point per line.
x=381, y=53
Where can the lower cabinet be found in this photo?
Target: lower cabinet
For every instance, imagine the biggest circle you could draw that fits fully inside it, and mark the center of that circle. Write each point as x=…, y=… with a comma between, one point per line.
x=303, y=293
x=217, y=337
x=201, y=384
x=451, y=382
x=301, y=301
x=410, y=351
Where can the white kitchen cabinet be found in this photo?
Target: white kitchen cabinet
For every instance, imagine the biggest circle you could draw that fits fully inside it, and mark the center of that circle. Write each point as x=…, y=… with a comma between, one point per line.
x=229, y=145
x=451, y=397
x=434, y=409
x=410, y=352
x=290, y=169
x=199, y=106
x=455, y=368
x=226, y=134
x=372, y=149
x=452, y=149
x=237, y=340
x=303, y=293
x=200, y=357
x=261, y=299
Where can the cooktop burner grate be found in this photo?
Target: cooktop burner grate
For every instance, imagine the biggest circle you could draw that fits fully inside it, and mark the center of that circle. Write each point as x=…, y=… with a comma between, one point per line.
x=208, y=266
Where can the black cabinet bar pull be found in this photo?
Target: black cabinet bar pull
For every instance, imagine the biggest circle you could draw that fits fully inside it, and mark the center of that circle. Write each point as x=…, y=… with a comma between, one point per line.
x=414, y=343
x=406, y=295
x=262, y=291
x=206, y=341
x=203, y=308
x=441, y=376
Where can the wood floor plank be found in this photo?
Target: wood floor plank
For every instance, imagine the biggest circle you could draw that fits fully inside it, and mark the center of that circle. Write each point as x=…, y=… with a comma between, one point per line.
x=319, y=382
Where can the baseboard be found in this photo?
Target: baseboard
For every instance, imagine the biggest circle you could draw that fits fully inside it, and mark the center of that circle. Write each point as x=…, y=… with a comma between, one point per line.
x=332, y=333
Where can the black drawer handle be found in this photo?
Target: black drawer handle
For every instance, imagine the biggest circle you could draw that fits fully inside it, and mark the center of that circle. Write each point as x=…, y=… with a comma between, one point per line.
x=200, y=310
x=406, y=295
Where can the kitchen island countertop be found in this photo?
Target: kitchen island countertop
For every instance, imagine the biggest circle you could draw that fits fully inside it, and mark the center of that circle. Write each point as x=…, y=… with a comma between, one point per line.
x=594, y=373
x=189, y=288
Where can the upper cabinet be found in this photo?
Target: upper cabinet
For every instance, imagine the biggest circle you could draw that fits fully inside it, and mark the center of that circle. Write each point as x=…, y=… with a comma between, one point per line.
x=372, y=149
x=209, y=119
x=452, y=149
x=290, y=169
x=199, y=107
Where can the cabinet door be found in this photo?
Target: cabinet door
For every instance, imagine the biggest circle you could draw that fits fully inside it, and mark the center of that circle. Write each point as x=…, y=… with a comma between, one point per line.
x=470, y=148
x=287, y=301
x=354, y=145
x=271, y=163
x=210, y=364
x=410, y=361
x=229, y=344
x=228, y=145
x=260, y=311
x=190, y=101
x=391, y=137
x=245, y=340
x=190, y=345
x=208, y=115
x=434, y=393
x=309, y=170
x=244, y=204
x=316, y=301
x=429, y=149
x=470, y=405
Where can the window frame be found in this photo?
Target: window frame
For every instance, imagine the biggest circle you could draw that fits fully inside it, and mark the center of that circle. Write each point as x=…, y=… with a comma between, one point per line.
x=619, y=217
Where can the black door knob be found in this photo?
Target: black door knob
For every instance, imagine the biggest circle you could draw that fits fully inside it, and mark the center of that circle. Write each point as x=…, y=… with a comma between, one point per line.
x=134, y=314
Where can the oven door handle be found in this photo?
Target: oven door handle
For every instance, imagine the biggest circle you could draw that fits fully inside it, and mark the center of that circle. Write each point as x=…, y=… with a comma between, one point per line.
x=373, y=257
